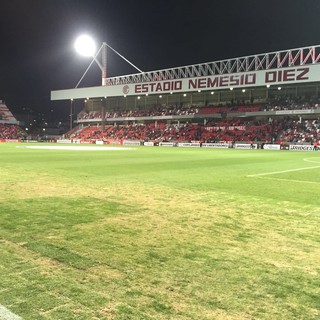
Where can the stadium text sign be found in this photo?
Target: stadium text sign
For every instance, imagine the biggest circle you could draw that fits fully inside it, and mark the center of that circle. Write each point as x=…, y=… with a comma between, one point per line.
x=310, y=73
x=257, y=78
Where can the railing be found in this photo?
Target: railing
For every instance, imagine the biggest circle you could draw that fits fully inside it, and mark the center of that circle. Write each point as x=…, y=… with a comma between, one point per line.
x=265, y=61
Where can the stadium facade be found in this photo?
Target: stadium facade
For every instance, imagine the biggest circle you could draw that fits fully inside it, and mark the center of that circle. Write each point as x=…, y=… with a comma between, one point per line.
x=275, y=79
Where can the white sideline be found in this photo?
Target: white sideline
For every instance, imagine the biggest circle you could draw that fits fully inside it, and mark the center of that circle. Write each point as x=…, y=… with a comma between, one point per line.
x=78, y=148
x=5, y=314
x=283, y=171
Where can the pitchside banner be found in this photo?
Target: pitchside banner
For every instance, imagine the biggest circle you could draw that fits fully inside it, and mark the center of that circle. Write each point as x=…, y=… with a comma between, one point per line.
x=216, y=145
x=245, y=146
x=190, y=145
x=271, y=146
x=301, y=147
x=310, y=73
x=131, y=143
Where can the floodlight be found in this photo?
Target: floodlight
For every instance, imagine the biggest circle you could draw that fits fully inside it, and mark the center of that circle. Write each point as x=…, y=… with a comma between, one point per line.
x=85, y=46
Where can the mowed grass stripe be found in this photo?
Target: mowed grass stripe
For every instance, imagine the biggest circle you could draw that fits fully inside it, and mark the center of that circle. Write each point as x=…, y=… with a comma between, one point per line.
x=180, y=242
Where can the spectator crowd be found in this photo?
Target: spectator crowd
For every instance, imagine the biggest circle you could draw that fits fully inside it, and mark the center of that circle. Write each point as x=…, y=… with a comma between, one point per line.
x=230, y=130
x=275, y=129
x=11, y=132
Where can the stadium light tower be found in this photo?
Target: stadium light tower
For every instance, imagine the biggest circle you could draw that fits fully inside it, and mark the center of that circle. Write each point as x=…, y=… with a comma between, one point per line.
x=85, y=46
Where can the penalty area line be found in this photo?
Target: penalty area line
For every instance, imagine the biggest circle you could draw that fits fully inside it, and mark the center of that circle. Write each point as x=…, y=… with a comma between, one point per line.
x=283, y=171
x=6, y=314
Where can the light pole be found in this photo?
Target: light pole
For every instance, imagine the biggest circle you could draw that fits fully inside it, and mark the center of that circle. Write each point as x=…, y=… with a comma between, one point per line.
x=71, y=113
x=86, y=46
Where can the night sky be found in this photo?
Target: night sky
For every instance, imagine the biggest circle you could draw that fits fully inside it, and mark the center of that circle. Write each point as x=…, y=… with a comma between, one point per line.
x=37, y=38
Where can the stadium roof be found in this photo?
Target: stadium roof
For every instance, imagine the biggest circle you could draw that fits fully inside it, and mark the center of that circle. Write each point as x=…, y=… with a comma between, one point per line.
x=298, y=65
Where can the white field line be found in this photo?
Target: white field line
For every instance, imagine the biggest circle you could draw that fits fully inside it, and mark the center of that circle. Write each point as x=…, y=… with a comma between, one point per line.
x=283, y=171
x=5, y=314
x=288, y=180
x=308, y=160
x=78, y=148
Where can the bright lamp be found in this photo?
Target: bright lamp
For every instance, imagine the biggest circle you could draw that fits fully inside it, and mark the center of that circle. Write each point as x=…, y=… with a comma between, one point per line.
x=85, y=46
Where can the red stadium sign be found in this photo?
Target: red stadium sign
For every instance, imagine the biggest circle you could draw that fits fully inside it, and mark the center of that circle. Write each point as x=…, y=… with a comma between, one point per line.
x=302, y=74
x=253, y=78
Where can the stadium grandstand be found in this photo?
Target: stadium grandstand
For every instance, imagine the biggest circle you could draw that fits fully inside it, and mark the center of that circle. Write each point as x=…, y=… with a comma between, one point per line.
x=270, y=98
x=9, y=126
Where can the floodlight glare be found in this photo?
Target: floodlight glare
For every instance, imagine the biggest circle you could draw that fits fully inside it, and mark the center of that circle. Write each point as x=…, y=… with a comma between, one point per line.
x=85, y=46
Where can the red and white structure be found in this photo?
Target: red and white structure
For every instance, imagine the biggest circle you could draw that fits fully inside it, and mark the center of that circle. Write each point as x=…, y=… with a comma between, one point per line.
x=6, y=116
x=294, y=66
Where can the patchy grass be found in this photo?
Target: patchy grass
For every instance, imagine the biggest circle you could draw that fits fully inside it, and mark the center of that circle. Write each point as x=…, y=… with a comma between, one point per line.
x=158, y=234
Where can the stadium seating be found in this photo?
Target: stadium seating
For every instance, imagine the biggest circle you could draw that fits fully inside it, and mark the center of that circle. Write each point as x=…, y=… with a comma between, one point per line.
x=155, y=111
x=5, y=113
x=175, y=110
x=300, y=132
x=8, y=131
x=285, y=130
x=213, y=129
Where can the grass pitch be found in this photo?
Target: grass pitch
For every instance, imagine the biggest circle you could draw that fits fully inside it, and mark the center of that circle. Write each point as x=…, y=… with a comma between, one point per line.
x=159, y=233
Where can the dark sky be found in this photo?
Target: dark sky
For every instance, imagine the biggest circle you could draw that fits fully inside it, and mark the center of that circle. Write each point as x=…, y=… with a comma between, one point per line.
x=37, y=36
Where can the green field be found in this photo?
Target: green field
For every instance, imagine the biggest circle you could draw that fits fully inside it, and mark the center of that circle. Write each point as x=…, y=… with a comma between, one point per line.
x=159, y=233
